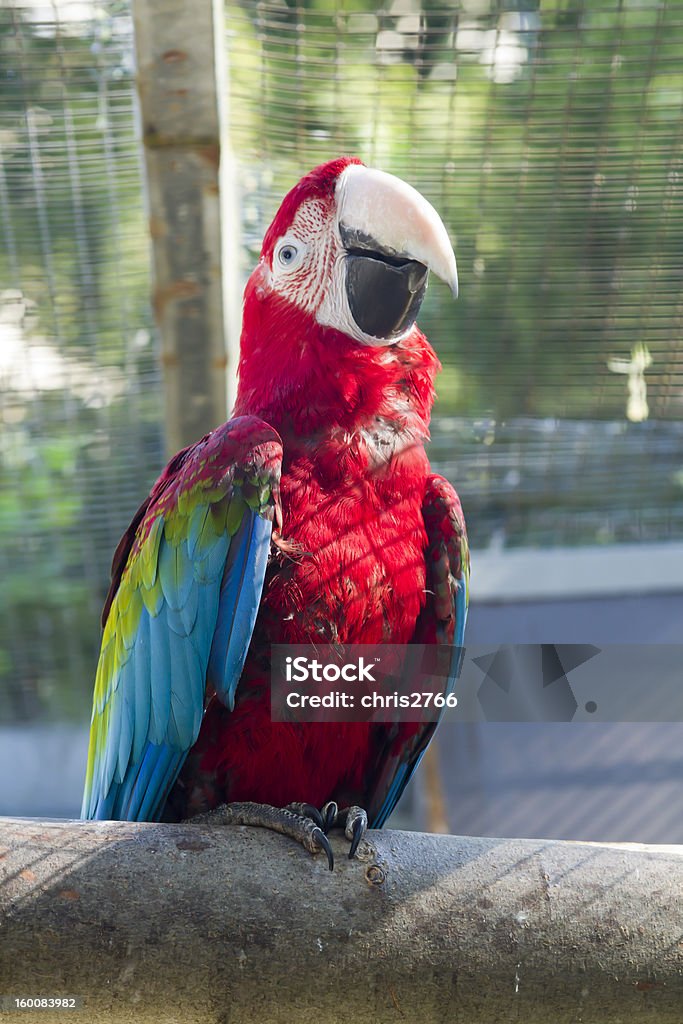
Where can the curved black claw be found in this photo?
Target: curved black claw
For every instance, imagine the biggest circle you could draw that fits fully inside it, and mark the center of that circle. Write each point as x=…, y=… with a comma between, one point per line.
x=329, y=815
x=358, y=830
x=356, y=826
x=307, y=811
x=303, y=827
x=353, y=820
x=319, y=836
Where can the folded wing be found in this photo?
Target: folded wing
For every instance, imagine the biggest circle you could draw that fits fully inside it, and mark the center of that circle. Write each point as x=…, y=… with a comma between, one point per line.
x=186, y=585
x=442, y=621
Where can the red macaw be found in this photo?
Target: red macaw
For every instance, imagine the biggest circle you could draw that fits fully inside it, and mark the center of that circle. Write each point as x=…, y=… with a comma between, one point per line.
x=311, y=516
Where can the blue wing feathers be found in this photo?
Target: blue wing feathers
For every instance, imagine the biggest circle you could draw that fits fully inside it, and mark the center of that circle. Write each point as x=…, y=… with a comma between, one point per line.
x=163, y=763
x=176, y=580
x=159, y=676
x=138, y=667
x=391, y=799
x=209, y=567
x=112, y=755
x=182, y=621
x=145, y=788
x=210, y=588
x=406, y=770
x=241, y=590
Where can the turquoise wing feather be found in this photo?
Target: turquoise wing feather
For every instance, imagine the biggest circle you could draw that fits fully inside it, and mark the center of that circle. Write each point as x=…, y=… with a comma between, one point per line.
x=186, y=586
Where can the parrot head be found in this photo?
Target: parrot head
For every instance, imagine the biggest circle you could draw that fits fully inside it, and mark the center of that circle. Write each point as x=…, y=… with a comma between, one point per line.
x=353, y=247
x=343, y=269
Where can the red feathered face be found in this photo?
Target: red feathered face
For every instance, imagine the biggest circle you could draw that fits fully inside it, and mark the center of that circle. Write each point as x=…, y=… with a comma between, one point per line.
x=352, y=247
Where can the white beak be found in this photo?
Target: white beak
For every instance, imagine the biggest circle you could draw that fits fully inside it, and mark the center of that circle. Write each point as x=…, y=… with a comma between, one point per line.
x=384, y=208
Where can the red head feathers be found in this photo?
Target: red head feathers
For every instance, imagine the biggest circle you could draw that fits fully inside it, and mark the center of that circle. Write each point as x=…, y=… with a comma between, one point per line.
x=329, y=314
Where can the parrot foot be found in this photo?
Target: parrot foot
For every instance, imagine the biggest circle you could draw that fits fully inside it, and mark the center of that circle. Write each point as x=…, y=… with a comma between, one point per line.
x=353, y=820
x=301, y=822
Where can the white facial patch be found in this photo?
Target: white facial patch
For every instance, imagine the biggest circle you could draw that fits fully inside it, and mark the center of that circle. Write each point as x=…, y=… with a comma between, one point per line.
x=308, y=270
x=301, y=257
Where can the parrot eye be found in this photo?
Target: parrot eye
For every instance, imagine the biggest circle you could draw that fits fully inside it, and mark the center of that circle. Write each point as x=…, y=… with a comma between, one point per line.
x=289, y=255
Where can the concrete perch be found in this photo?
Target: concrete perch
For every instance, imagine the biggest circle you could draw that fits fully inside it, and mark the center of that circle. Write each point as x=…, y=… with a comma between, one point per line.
x=186, y=923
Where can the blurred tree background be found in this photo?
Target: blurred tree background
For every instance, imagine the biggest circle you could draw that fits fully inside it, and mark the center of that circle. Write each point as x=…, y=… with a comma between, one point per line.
x=548, y=134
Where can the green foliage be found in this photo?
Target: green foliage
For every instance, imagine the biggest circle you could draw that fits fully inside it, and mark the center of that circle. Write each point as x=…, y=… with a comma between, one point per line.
x=548, y=135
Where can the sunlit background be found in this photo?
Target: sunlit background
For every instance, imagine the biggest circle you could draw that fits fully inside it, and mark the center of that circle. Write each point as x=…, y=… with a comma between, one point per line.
x=550, y=137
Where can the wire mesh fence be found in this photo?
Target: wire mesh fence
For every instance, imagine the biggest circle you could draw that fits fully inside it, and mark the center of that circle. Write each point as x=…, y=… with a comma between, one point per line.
x=548, y=134
x=80, y=387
